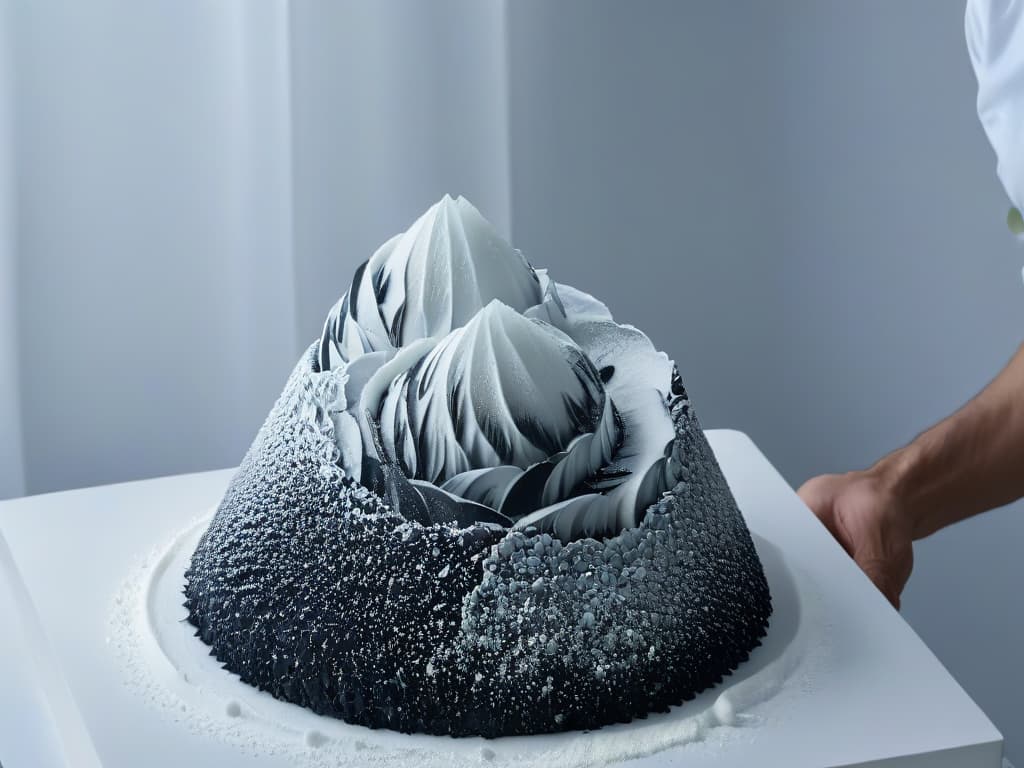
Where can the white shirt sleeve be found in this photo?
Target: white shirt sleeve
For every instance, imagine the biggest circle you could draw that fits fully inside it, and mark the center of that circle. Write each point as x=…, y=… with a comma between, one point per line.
x=995, y=41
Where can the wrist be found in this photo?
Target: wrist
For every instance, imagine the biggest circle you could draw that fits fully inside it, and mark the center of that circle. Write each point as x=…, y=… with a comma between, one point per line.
x=901, y=479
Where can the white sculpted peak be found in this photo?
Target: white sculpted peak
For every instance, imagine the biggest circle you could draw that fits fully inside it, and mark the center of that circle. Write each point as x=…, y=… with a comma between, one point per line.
x=426, y=282
x=504, y=389
x=473, y=392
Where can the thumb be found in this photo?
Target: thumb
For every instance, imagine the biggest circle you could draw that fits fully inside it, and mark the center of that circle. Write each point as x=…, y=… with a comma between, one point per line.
x=814, y=493
x=818, y=494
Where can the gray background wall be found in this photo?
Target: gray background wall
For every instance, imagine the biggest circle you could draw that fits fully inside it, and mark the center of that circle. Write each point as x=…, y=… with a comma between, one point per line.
x=794, y=199
x=394, y=104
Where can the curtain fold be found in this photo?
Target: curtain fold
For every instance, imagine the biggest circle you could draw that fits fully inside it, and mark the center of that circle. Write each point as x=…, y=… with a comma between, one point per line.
x=12, y=476
x=156, y=312
x=199, y=181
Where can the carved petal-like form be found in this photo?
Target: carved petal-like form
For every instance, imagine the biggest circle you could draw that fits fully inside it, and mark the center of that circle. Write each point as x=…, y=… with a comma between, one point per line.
x=638, y=380
x=496, y=384
x=426, y=282
x=502, y=390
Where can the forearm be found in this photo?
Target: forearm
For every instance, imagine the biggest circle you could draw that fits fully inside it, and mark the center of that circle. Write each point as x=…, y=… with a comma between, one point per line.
x=969, y=463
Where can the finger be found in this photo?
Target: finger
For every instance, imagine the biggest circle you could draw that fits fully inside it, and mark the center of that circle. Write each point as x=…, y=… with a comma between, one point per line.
x=818, y=493
x=815, y=495
x=810, y=492
x=825, y=512
x=878, y=571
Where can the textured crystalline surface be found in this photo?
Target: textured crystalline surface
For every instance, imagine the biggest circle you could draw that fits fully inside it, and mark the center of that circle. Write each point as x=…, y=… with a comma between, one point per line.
x=309, y=586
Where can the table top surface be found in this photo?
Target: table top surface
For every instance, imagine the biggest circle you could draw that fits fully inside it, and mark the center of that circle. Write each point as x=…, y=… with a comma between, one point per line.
x=882, y=698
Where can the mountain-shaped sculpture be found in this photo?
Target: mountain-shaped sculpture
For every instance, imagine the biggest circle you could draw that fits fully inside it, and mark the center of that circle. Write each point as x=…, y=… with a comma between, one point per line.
x=480, y=506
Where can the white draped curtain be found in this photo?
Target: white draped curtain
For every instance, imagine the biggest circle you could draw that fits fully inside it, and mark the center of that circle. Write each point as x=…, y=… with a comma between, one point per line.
x=186, y=188
x=12, y=473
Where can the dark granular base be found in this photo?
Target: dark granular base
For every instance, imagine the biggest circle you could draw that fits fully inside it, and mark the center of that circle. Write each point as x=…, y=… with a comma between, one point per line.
x=306, y=585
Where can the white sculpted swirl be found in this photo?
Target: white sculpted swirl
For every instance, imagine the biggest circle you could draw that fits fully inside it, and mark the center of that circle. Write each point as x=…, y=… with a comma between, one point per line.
x=476, y=389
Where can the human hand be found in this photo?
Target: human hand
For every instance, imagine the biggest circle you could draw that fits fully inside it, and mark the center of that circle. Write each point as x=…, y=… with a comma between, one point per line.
x=865, y=517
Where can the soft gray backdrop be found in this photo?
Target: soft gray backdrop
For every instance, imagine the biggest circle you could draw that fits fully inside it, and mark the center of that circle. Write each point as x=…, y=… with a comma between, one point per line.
x=797, y=201
x=794, y=199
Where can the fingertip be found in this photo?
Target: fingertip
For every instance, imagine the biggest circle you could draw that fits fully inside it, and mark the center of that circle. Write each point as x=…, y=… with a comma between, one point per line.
x=815, y=494
x=893, y=597
x=884, y=585
x=805, y=491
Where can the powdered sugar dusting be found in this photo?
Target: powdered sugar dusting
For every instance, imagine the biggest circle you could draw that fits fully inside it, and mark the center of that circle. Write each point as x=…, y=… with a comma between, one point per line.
x=173, y=672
